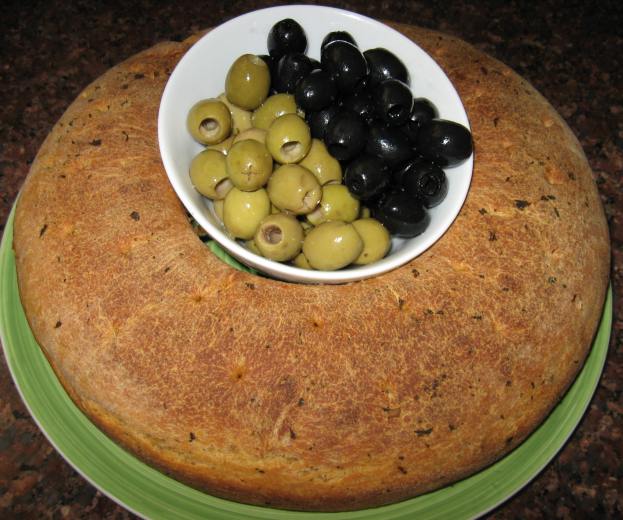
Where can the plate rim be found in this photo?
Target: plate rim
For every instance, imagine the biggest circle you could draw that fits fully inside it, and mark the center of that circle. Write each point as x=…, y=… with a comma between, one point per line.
x=594, y=362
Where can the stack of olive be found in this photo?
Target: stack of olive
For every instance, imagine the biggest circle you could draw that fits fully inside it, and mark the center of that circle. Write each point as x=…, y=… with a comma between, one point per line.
x=279, y=137
x=392, y=147
x=271, y=184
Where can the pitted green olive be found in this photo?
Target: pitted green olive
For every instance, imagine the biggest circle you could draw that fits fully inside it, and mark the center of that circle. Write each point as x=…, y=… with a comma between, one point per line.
x=257, y=134
x=244, y=210
x=294, y=189
x=279, y=237
x=247, y=82
x=288, y=139
x=249, y=165
x=322, y=164
x=252, y=246
x=208, y=174
x=336, y=203
x=240, y=118
x=376, y=240
x=301, y=261
x=209, y=121
x=275, y=106
x=222, y=147
x=218, y=208
x=332, y=245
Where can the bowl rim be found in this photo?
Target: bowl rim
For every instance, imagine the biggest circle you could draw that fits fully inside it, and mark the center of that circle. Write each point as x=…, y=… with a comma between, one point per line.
x=281, y=270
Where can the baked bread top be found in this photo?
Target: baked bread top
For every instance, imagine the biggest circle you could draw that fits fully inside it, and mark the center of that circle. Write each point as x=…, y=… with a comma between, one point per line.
x=312, y=397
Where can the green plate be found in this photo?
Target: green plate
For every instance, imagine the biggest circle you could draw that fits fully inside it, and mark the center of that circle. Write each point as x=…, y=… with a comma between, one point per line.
x=151, y=494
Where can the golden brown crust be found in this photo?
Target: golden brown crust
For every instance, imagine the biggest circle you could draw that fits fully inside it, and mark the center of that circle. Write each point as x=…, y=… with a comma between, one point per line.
x=312, y=397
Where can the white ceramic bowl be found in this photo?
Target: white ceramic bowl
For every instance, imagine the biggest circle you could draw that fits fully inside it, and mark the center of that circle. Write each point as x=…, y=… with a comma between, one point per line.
x=201, y=74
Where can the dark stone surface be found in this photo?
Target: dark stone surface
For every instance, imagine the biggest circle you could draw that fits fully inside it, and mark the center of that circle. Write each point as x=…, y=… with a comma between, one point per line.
x=570, y=50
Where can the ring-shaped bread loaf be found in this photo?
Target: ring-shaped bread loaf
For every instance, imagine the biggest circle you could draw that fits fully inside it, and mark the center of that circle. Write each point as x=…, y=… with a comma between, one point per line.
x=312, y=397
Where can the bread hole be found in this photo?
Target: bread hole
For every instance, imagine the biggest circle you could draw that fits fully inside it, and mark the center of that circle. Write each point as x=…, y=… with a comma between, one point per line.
x=209, y=127
x=578, y=302
x=272, y=234
x=238, y=373
x=292, y=150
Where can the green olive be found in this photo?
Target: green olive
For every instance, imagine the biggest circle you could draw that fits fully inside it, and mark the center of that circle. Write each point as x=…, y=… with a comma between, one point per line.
x=376, y=240
x=275, y=106
x=301, y=261
x=244, y=210
x=307, y=227
x=218, y=208
x=209, y=121
x=247, y=82
x=322, y=164
x=240, y=118
x=222, y=147
x=208, y=174
x=249, y=165
x=294, y=189
x=252, y=246
x=279, y=237
x=364, y=212
x=257, y=134
x=288, y=139
x=332, y=245
x=336, y=203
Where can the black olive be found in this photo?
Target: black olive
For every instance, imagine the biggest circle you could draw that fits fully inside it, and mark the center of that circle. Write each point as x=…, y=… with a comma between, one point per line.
x=316, y=91
x=393, y=101
x=286, y=36
x=291, y=69
x=389, y=143
x=360, y=102
x=272, y=67
x=315, y=63
x=366, y=177
x=402, y=214
x=271, y=62
x=318, y=121
x=345, y=63
x=337, y=36
x=421, y=112
x=444, y=142
x=424, y=180
x=383, y=65
x=345, y=136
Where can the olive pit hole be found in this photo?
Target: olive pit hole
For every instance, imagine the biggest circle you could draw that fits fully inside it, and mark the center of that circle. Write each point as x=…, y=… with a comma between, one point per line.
x=272, y=234
x=310, y=200
x=209, y=127
x=431, y=187
x=395, y=111
x=291, y=150
x=223, y=187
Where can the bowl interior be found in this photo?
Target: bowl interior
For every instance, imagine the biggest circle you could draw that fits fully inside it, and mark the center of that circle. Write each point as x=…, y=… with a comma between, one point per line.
x=201, y=74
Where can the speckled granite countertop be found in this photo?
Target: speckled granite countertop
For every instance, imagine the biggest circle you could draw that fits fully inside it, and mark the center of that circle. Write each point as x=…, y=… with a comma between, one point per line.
x=570, y=51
